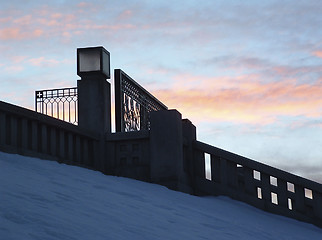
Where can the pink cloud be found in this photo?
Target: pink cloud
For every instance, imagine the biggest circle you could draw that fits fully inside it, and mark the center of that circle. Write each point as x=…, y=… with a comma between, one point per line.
x=125, y=15
x=246, y=101
x=47, y=23
x=83, y=4
x=14, y=68
x=18, y=59
x=42, y=61
x=318, y=53
x=24, y=20
x=38, y=32
x=5, y=19
x=11, y=33
x=56, y=15
x=17, y=33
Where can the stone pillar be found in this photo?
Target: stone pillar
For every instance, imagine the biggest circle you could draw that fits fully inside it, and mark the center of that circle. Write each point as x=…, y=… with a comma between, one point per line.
x=94, y=111
x=94, y=104
x=166, y=149
x=94, y=97
x=189, y=137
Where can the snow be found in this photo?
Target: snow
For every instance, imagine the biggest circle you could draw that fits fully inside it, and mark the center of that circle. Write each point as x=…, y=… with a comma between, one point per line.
x=42, y=199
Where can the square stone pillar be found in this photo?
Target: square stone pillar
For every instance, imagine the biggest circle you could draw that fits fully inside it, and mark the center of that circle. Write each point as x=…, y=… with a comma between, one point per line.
x=166, y=150
x=94, y=113
x=94, y=104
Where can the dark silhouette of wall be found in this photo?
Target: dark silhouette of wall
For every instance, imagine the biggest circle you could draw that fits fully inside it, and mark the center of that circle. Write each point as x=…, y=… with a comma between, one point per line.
x=168, y=154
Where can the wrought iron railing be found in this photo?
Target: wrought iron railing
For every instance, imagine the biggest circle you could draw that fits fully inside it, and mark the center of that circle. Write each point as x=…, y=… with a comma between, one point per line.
x=59, y=103
x=133, y=104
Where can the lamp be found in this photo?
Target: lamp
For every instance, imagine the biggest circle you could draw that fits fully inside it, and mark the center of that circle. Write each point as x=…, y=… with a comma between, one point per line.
x=92, y=61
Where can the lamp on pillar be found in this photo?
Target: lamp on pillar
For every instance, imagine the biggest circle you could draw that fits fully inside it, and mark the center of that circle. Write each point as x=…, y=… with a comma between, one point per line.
x=93, y=61
x=94, y=92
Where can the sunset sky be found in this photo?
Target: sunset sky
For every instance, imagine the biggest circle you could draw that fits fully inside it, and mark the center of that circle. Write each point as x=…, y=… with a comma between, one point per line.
x=248, y=74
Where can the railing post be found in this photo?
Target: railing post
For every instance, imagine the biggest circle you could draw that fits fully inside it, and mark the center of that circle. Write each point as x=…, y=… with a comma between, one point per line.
x=249, y=181
x=282, y=193
x=94, y=104
x=223, y=171
x=189, y=137
x=24, y=134
x=61, y=145
x=299, y=199
x=94, y=96
x=166, y=148
x=44, y=139
x=53, y=142
x=34, y=136
x=266, y=192
x=13, y=131
x=2, y=128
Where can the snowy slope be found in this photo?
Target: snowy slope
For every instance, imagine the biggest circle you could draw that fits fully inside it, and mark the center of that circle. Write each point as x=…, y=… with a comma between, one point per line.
x=45, y=200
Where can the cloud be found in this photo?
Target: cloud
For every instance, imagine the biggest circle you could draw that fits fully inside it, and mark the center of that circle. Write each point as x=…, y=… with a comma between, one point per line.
x=24, y=20
x=83, y=4
x=56, y=23
x=244, y=99
x=310, y=171
x=17, y=33
x=14, y=68
x=318, y=53
x=125, y=15
x=11, y=33
x=42, y=61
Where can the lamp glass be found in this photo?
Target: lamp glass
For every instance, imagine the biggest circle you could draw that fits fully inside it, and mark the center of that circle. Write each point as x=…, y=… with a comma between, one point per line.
x=89, y=60
x=106, y=64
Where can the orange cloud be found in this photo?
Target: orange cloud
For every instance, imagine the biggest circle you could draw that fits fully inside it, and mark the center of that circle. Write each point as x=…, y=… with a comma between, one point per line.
x=125, y=15
x=246, y=101
x=25, y=20
x=17, y=33
x=11, y=33
x=83, y=4
x=5, y=19
x=41, y=61
x=45, y=22
x=318, y=53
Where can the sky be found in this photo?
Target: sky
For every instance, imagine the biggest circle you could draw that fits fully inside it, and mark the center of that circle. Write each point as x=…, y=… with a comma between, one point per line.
x=248, y=74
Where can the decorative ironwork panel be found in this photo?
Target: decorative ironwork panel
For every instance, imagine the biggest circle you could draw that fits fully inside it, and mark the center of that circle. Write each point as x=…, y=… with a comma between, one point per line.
x=133, y=104
x=58, y=103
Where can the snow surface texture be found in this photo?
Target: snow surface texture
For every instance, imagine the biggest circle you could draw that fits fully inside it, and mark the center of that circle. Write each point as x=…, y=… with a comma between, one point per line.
x=46, y=200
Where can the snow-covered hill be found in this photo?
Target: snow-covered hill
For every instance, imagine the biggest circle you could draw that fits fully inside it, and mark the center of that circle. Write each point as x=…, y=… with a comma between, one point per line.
x=46, y=200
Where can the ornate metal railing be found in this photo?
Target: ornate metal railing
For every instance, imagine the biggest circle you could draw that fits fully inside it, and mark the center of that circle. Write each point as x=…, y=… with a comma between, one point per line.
x=59, y=103
x=133, y=104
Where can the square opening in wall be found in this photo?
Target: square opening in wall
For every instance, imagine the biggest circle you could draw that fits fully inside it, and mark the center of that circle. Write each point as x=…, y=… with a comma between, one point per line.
x=289, y=202
x=259, y=193
x=274, y=198
x=308, y=193
x=207, y=166
x=257, y=175
x=123, y=161
x=123, y=148
x=135, y=160
x=290, y=187
x=135, y=147
x=273, y=181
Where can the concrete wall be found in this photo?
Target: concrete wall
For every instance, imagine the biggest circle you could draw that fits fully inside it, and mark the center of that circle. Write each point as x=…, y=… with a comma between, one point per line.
x=128, y=155
x=262, y=186
x=168, y=154
x=29, y=133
